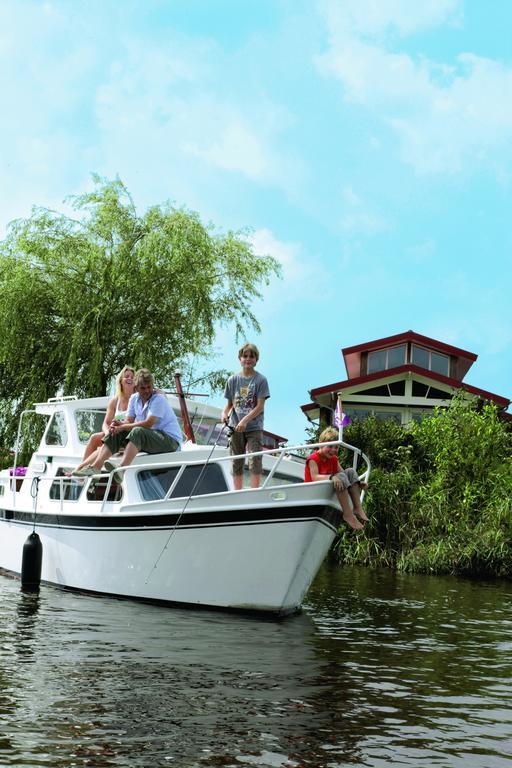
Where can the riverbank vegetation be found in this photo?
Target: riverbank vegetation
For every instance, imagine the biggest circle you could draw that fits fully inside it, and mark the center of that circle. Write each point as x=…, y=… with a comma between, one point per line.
x=440, y=498
x=83, y=295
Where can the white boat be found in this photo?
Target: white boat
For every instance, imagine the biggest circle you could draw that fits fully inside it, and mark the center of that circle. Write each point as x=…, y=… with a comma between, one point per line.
x=170, y=528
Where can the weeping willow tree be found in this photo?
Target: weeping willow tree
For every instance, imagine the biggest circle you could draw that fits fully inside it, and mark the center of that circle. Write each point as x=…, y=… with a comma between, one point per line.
x=81, y=296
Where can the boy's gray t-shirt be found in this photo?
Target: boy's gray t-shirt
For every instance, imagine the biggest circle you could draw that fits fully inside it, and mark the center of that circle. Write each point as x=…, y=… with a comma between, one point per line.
x=244, y=392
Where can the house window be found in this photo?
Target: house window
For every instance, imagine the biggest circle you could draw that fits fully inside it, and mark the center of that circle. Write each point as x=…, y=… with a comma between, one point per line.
x=431, y=361
x=418, y=416
x=424, y=390
x=383, y=359
x=389, y=416
x=439, y=363
x=360, y=414
x=385, y=390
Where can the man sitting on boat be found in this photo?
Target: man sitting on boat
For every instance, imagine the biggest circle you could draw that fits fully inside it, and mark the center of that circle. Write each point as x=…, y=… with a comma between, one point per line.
x=150, y=425
x=323, y=464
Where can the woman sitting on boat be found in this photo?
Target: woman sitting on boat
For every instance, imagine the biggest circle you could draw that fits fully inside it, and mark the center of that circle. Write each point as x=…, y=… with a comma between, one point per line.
x=117, y=410
x=323, y=464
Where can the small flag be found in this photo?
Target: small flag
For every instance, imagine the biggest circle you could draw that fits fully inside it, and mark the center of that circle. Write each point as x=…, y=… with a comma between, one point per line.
x=344, y=421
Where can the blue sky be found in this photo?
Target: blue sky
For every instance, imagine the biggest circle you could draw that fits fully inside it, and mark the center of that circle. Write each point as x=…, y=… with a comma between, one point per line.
x=367, y=144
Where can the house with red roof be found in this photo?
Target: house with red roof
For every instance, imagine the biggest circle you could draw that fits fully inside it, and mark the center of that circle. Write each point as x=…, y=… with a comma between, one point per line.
x=402, y=377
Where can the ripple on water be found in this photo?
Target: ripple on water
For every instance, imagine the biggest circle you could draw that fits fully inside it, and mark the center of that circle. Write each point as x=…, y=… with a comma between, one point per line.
x=380, y=669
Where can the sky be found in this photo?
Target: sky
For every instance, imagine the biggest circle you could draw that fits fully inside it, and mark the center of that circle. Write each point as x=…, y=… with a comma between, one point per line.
x=366, y=144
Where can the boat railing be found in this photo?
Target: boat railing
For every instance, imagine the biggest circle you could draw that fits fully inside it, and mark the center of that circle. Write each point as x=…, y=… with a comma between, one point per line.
x=280, y=454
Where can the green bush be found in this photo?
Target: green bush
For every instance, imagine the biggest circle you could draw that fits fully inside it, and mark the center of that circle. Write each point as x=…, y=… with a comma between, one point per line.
x=440, y=494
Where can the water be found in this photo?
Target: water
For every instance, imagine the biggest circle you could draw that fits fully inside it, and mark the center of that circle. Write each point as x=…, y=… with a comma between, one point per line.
x=379, y=670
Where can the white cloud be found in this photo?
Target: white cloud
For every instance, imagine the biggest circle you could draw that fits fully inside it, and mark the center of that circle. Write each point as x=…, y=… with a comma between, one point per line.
x=447, y=118
x=375, y=17
x=301, y=275
x=484, y=331
x=357, y=216
x=170, y=100
x=86, y=91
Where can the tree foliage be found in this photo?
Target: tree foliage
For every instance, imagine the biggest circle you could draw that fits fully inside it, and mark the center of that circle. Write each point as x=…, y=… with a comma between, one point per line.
x=440, y=498
x=80, y=297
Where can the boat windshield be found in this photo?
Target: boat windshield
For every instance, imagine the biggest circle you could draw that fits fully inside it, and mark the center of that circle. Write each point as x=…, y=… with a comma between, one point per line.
x=88, y=421
x=207, y=433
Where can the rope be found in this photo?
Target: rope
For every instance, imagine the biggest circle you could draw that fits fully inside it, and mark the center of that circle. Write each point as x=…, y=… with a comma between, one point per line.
x=34, y=491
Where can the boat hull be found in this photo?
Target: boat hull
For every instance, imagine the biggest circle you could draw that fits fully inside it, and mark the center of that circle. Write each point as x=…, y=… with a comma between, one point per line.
x=227, y=556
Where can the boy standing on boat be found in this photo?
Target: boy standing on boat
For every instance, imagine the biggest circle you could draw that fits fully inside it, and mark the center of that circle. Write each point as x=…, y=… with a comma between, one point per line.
x=246, y=393
x=323, y=464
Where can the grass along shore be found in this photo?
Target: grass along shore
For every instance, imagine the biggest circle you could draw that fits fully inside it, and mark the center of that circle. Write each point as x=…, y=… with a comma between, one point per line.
x=440, y=498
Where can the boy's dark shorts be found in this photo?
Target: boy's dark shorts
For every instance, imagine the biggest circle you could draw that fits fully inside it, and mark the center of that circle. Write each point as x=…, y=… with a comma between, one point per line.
x=246, y=442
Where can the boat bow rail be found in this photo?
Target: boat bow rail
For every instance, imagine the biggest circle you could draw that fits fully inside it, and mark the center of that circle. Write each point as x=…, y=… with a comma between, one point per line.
x=281, y=466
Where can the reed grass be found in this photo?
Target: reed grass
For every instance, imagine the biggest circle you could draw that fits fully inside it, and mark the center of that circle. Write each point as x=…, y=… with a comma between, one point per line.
x=440, y=497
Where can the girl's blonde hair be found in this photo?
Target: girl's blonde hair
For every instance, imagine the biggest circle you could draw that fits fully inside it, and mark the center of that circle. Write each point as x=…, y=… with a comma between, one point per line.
x=119, y=379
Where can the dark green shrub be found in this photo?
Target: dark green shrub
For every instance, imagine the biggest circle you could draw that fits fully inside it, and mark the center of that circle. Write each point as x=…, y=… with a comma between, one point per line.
x=440, y=494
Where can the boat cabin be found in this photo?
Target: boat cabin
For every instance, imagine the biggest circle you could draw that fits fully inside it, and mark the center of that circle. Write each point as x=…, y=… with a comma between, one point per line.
x=199, y=468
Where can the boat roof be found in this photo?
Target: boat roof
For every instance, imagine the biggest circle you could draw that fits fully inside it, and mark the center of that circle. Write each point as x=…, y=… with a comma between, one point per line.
x=73, y=403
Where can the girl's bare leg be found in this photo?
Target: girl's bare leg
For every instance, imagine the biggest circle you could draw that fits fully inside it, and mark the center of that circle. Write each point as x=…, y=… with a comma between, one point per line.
x=89, y=460
x=95, y=442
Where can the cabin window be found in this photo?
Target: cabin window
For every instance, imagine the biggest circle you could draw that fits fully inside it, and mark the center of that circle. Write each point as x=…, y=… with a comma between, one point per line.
x=56, y=434
x=154, y=483
x=278, y=478
x=66, y=488
x=88, y=422
x=98, y=486
x=377, y=361
x=382, y=359
x=223, y=440
x=432, y=361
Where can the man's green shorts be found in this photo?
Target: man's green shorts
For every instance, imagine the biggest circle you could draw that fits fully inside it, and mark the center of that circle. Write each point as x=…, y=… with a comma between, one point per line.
x=148, y=440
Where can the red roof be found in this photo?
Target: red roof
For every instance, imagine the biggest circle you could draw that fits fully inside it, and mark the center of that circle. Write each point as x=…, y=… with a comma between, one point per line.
x=503, y=402
x=352, y=355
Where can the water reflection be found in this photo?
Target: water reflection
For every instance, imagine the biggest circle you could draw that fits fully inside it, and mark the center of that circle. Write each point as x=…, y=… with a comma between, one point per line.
x=380, y=669
x=428, y=679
